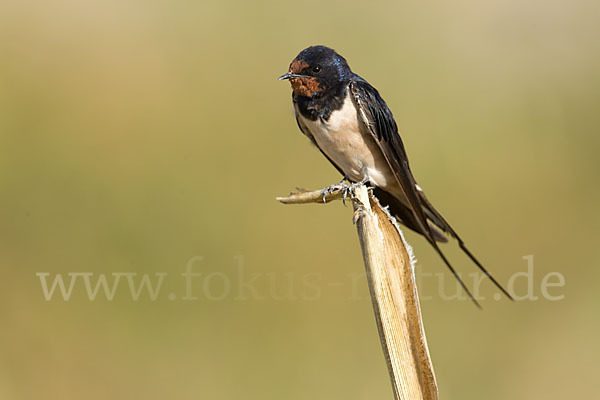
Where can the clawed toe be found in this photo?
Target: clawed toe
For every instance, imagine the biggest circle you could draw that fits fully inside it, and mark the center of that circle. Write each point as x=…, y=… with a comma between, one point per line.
x=332, y=189
x=346, y=189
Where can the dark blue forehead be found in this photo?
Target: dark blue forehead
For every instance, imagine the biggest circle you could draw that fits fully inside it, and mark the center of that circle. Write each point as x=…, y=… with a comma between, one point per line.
x=322, y=55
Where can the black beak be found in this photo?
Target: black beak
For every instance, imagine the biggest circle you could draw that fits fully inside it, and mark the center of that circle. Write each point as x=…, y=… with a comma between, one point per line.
x=289, y=75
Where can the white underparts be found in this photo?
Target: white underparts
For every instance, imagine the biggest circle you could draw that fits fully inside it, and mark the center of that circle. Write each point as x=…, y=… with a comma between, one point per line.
x=347, y=141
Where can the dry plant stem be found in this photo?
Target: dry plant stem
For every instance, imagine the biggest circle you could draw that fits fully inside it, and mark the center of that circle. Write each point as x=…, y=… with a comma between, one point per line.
x=303, y=196
x=390, y=274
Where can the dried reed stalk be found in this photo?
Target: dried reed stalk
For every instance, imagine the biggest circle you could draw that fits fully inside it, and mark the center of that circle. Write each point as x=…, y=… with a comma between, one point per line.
x=390, y=274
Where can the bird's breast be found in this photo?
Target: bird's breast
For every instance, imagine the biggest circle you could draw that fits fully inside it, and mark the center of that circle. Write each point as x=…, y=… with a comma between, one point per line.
x=345, y=139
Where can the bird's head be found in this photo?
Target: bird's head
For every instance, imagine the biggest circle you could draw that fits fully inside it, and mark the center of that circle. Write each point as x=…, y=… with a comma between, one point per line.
x=315, y=70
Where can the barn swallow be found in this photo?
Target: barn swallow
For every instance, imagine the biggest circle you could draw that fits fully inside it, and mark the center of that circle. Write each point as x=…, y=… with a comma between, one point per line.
x=348, y=121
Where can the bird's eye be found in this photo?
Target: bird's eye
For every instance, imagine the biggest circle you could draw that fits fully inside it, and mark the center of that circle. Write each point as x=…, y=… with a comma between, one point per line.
x=316, y=69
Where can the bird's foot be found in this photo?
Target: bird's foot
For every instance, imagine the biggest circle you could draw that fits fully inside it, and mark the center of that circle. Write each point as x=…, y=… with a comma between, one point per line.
x=352, y=187
x=345, y=188
x=341, y=186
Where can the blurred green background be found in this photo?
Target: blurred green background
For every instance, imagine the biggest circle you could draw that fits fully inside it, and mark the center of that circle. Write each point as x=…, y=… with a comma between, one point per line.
x=136, y=135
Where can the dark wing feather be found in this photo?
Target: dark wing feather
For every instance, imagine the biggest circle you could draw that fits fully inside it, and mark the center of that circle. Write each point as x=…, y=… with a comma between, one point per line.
x=439, y=221
x=405, y=215
x=378, y=118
